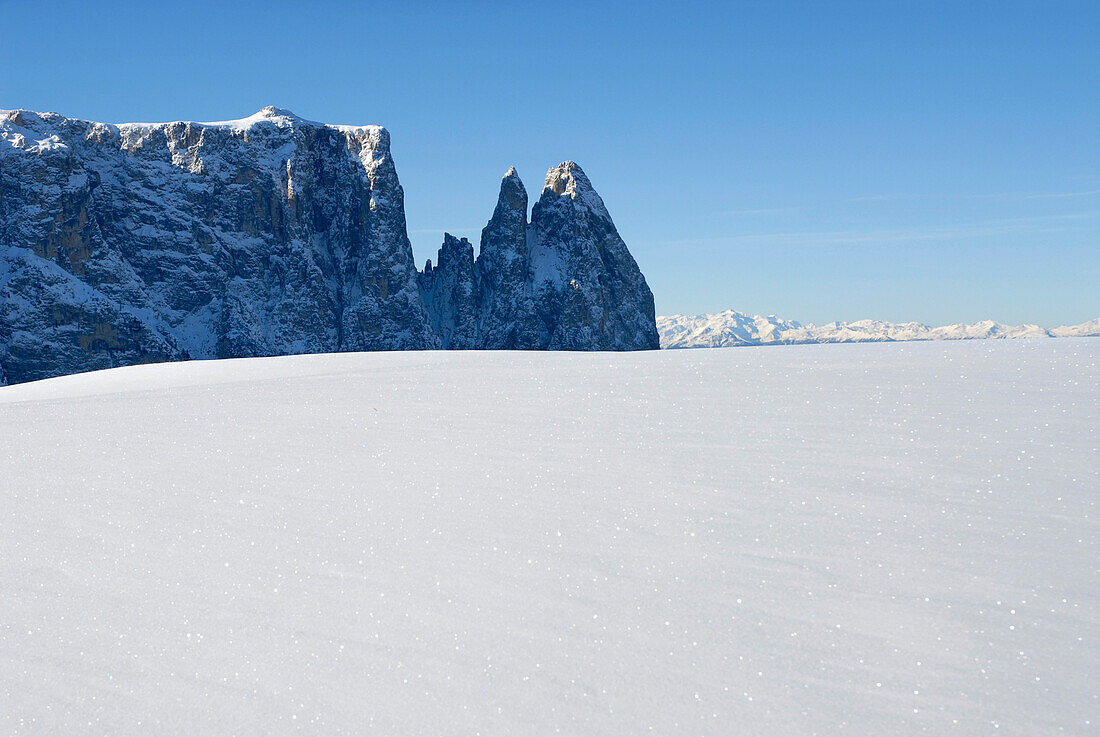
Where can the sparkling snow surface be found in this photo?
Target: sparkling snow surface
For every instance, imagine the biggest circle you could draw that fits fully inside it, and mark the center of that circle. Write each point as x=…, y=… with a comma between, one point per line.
x=857, y=539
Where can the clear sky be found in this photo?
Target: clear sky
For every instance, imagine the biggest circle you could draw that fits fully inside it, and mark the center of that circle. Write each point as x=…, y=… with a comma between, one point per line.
x=932, y=161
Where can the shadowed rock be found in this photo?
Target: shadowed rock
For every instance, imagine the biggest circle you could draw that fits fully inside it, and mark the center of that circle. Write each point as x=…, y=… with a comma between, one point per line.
x=448, y=294
x=507, y=311
x=589, y=292
x=148, y=242
x=271, y=235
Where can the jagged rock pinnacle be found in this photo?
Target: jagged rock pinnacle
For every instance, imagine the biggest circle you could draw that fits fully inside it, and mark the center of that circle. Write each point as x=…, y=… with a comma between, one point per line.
x=589, y=292
x=507, y=314
x=448, y=292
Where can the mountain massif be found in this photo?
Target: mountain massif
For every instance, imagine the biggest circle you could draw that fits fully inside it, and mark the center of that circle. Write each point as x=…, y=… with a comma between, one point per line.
x=731, y=328
x=271, y=235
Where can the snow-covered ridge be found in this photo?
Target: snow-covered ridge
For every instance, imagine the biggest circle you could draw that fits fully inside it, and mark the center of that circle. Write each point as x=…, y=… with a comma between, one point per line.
x=732, y=328
x=280, y=117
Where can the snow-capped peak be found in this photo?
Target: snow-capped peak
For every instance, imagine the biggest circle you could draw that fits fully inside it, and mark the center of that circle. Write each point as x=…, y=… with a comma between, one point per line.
x=732, y=328
x=567, y=179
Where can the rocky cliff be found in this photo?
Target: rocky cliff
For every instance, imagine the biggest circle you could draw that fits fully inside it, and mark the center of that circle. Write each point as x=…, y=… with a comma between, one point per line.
x=588, y=290
x=564, y=281
x=131, y=243
x=448, y=291
x=506, y=315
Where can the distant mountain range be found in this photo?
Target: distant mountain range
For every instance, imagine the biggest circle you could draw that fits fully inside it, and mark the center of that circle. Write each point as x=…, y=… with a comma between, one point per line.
x=731, y=328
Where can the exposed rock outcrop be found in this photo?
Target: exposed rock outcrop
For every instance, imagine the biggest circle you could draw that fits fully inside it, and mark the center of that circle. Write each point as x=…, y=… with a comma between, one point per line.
x=506, y=318
x=269, y=235
x=589, y=292
x=448, y=292
x=262, y=236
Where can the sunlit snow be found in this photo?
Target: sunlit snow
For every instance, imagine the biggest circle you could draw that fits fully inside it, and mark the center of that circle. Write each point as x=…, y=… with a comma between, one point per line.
x=855, y=539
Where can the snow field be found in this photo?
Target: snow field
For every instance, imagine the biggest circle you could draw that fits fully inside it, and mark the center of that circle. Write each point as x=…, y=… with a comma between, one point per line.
x=820, y=539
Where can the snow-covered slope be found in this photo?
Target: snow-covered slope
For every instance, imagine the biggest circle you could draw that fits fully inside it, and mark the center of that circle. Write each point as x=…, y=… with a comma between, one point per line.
x=874, y=539
x=731, y=328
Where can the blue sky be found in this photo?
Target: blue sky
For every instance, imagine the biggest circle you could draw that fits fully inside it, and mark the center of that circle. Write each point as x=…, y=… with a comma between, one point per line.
x=932, y=161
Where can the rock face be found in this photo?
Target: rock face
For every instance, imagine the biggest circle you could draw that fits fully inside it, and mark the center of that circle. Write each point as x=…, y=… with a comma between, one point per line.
x=132, y=243
x=270, y=235
x=449, y=294
x=589, y=292
x=506, y=315
x=564, y=281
